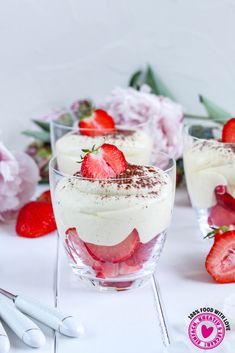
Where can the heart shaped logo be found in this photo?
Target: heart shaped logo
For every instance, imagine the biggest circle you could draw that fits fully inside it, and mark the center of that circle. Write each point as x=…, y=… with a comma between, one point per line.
x=206, y=331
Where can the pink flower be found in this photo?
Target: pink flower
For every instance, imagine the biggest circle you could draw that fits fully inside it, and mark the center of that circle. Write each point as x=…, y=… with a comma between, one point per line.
x=18, y=179
x=130, y=107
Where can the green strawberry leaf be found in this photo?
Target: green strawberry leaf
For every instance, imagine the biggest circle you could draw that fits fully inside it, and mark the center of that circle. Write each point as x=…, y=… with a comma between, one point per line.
x=42, y=124
x=135, y=80
x=38, y=135
x=214, y=111
x=156, y=84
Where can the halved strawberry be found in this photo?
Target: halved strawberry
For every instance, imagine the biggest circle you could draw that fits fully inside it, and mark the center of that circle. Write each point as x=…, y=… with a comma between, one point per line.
x=115, y=253
x=220, y=262
x=45, y=196
x=106, y=161
x=35, y=219
x=99, y=122
x=228, y=133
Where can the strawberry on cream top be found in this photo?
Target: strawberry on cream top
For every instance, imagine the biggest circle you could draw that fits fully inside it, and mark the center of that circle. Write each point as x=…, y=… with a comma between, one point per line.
x=106, y=211
x=135, y=144
x=209, y=163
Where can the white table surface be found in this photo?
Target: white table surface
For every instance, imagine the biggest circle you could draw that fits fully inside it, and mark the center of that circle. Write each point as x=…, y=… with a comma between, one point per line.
x=124, y=322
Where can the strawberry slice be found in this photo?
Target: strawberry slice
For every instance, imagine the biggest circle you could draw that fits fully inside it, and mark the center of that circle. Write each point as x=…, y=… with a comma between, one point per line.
x=223, y=213
x=106, y=161
x=76, y=249
x=220, y=262
x=223, y=198
x=228, y=133
x=35, y=219
x=106, y=270
x=220, y=216
x=99, y=122
x=116, y=253
x=144, y=251
x=45, y=196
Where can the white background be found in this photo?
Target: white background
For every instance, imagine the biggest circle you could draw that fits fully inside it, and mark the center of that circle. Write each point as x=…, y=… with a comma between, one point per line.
x=54, y=51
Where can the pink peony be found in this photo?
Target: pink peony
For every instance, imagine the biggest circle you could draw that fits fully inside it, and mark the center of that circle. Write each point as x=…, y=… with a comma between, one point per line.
x=18, y=179
x=130, y=107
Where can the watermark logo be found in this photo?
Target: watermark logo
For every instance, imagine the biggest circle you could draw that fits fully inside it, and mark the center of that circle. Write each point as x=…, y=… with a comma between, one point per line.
x=207, y=328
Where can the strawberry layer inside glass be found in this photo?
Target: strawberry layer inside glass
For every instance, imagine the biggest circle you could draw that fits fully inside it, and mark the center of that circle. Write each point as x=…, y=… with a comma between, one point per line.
x=122, y=259
x=223, y=213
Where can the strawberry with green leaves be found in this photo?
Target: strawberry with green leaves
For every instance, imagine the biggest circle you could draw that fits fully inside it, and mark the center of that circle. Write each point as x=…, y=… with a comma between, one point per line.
x=106, y=161
x=94, y=122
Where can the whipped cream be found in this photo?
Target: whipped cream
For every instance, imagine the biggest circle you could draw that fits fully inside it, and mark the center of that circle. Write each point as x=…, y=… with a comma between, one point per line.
x=136, y=146
x=105, y=212
x=209, y=163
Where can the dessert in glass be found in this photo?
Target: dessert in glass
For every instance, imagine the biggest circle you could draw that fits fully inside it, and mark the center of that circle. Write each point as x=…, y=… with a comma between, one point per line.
x=96, y=128
x=112, y=216
x=209, y=162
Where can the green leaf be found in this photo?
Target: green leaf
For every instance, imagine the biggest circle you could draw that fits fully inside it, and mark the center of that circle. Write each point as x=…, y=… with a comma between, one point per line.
x=38, y=135
x=44, y=180
x=135, y=80
x=156, y=84
x=214, y=111
x=42, y=124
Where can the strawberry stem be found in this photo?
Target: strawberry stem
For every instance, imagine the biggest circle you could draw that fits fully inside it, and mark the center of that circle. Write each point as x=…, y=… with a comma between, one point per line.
x=86, y=151
x=215, y=231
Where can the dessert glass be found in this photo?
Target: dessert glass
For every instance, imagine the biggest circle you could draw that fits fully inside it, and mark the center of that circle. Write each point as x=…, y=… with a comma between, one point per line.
x=113, y=230
x=210, y=175
x=67, y=143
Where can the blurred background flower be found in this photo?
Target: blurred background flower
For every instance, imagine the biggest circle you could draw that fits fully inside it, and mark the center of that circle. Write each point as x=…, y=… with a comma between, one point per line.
x=129, y=107
x=18, y=179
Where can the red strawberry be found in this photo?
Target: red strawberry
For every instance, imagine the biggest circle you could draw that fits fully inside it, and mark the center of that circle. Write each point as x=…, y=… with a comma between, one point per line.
x=105, y=162
x=45, y=196
x=228, y=133
x=220, y=262
x=115, y=253
x=98, y=123
x=35, y=219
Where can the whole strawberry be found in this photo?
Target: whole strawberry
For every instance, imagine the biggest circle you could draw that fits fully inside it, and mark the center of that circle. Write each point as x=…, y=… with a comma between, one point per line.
x=36, y=218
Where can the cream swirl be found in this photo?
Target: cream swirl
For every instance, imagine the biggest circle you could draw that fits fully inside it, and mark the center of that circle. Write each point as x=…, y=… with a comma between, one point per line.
x=135, y=144
x=209, y=163
x=106, y=211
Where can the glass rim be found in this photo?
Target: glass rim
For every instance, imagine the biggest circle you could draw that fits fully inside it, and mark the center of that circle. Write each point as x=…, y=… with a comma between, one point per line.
x=53, y=169
x=210, y=124
x=58, y=124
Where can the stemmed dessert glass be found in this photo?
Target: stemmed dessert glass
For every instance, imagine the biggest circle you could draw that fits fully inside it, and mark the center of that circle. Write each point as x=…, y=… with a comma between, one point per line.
x=113, y=230
x=210, y=175
x=68, y=141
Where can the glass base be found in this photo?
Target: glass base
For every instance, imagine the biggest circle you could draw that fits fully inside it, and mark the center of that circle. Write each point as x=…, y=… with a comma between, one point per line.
x=127, y=274
x=113, y=285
